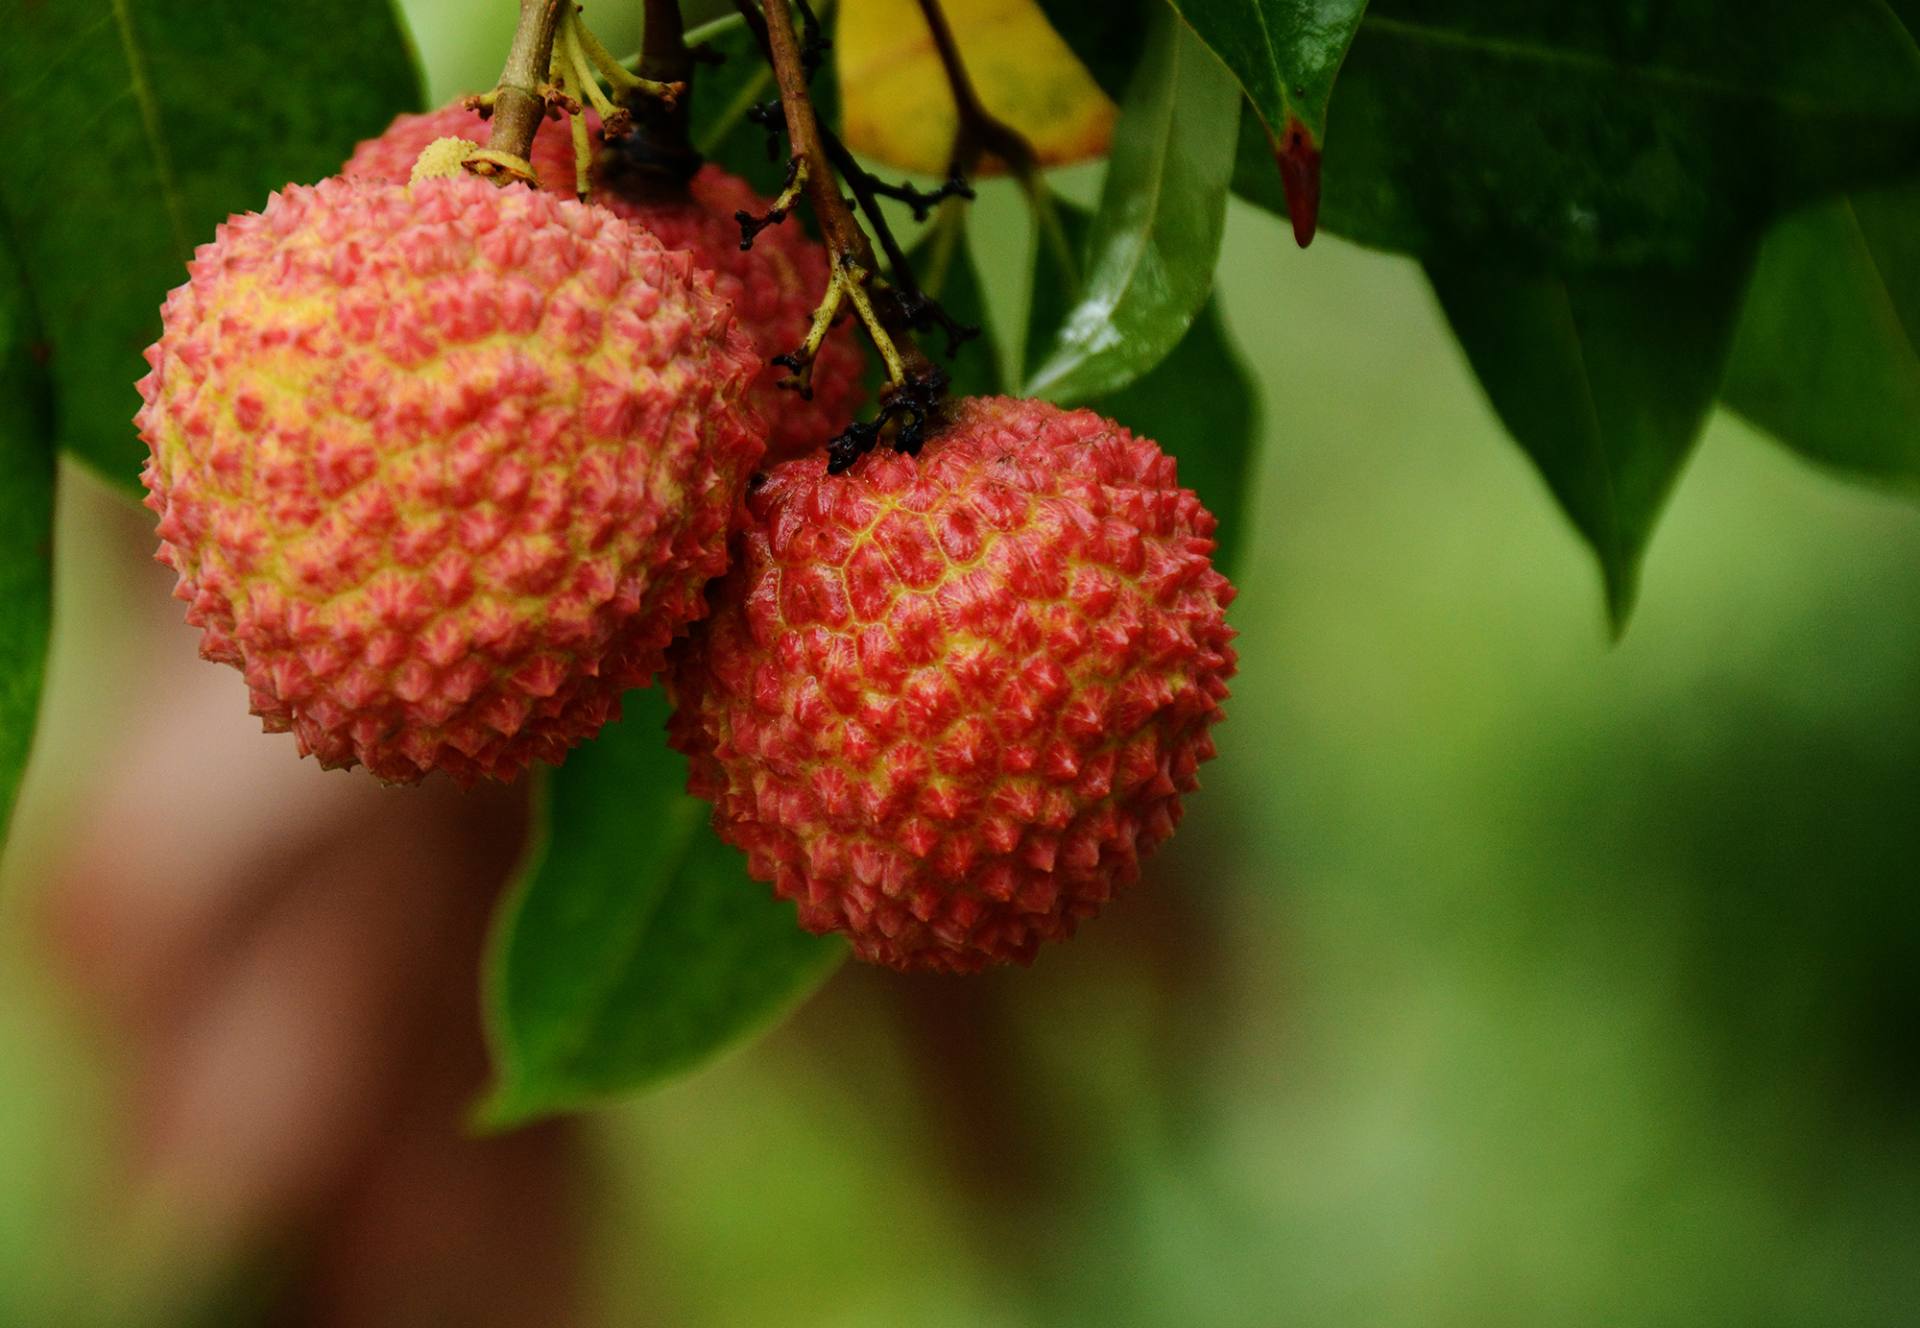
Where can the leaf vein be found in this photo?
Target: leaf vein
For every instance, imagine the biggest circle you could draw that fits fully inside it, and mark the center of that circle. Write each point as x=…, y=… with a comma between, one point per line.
x=150, y=121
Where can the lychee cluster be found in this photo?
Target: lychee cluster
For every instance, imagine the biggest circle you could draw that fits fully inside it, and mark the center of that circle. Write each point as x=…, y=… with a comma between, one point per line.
x=945, y=704
x=443, y=468
x=773, y=286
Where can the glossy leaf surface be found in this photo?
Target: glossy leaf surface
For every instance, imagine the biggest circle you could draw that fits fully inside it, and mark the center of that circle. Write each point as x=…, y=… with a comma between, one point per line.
x=1611, y=135
x=634, y=945
x=1156, y=235
x=1200, y=403
x=896, y=103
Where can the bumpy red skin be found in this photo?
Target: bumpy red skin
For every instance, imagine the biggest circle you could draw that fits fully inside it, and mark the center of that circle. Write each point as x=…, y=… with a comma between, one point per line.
x=774, y=286
x=945, y=705
x=443, y=468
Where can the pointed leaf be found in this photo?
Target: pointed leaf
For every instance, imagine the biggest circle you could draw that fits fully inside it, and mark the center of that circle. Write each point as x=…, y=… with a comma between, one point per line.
x=156, y=120
x=1157, y=234
x=1285, y=54
x=1200, y=404
x=1617, y=135
x=1604, y=380
x=1828, y=354
x=26, y=532
x=634, y=947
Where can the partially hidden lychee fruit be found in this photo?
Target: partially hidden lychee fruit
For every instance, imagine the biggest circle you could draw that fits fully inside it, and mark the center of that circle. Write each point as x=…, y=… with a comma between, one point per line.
x=774, y=286
x=944, y=704
x=442, y=468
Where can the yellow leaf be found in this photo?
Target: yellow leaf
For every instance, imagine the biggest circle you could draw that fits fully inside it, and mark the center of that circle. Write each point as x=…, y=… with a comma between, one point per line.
x=894, y=96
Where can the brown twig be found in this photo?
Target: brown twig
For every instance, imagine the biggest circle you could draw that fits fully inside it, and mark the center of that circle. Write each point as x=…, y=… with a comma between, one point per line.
x=663, y=44
x=915, y=385
x=980, y=132
x=845, y=240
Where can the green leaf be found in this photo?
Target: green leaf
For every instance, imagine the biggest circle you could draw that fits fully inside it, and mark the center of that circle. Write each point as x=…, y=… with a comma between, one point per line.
x=1108, y=37
x=1615, y=135
x=944, y=263
x=1604, y=379
x=634, y=947
x=157, y=119
x=1157, y=234
x=26, y=531
x=1828, y=354
x=1285, y=54
x=1201, y=403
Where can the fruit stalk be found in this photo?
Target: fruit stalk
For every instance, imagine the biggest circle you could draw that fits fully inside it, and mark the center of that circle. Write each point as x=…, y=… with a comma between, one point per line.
x=661, y=145
x=663, y=44
x=980, y=130
x=519, y=101
x=854, y=264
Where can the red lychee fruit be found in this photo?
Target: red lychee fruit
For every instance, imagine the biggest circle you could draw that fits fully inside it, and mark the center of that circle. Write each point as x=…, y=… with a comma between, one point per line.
x=945, y=704
x=774, y=286
x=443, y=468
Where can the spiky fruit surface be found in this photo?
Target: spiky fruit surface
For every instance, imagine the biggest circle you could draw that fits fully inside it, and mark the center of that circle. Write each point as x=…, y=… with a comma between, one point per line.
x=442, y=468
x=945, y=705
x=774, y=286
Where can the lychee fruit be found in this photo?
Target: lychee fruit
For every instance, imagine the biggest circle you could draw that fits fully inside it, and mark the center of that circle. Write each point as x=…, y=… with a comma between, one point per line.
x=945, y=704
x=774, y=285
x=443, y=467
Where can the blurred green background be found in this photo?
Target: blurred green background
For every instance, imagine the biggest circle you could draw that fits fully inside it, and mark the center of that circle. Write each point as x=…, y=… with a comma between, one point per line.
x=1498, y=976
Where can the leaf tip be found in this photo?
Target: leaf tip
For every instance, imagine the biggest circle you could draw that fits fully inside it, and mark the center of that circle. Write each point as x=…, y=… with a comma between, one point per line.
x=1298, y=156
x=1622, y=589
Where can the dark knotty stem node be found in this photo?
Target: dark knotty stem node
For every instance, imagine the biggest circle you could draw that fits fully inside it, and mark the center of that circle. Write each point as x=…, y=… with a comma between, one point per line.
x=909, y=409
x=922, y=202
x=926, y=313
x=814, y=43
x=751, y=225
x=657, y=159
x=915, y=389
x=772, y=121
